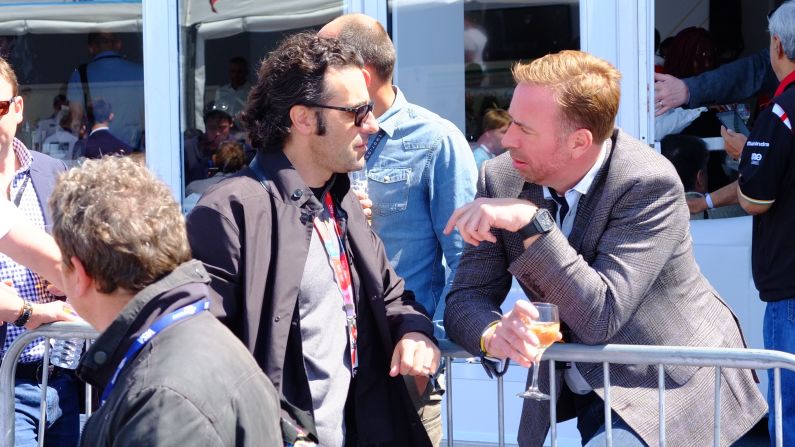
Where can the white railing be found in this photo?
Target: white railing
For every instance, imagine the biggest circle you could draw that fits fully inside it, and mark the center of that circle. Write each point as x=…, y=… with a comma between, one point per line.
x=637, y=355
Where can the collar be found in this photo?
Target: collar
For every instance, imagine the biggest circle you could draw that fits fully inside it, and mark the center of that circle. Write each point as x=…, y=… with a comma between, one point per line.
x=289, y=187
x=98, y=129
x=389, y=121
x=785, y=83
x=23, y=155
x=184, y=285
x=106, y=55
x=585, y=183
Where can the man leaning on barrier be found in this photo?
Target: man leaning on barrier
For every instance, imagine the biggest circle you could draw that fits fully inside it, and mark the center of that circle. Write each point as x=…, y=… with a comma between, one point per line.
x=170, y=373
x=615, y=256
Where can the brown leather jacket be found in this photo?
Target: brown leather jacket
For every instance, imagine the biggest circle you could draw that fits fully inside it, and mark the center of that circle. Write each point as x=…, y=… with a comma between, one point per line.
x=254, y=243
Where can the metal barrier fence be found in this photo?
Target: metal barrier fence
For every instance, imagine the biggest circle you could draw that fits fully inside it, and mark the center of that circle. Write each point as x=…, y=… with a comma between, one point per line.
x=637, y=355
x=605, y=354
x=9, y=366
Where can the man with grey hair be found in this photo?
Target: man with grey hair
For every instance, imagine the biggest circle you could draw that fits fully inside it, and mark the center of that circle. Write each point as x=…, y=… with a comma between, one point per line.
x=170, y=372
x=766, y=189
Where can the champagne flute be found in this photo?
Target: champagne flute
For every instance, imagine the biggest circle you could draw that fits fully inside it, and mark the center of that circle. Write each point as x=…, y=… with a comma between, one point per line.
x=359, y=184
x=546, y=328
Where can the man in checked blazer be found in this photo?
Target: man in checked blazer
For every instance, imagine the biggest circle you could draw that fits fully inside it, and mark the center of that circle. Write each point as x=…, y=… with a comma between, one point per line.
x=620, y=267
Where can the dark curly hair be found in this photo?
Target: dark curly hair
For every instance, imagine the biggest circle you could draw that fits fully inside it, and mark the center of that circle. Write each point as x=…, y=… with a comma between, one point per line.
x=292, y=74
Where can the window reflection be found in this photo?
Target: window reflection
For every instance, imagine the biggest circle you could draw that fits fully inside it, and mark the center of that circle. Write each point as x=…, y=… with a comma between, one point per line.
x=496, y=35
x=222, y=51
x=46, y=44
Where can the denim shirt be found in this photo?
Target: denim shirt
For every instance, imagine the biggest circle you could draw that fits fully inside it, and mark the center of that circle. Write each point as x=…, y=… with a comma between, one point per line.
x=420, y=172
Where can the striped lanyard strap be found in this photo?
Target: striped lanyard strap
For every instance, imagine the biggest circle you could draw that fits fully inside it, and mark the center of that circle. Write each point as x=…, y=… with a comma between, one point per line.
x=331, y=236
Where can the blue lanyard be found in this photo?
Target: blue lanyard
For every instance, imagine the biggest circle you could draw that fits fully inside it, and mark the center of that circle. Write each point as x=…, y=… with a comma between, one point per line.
x=160, y=324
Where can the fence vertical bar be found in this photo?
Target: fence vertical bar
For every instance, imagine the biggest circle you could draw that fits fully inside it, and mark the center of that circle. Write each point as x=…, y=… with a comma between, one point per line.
x=661, y=397
x=608, y=411
x=500, y=412
x=553, y=404
x=45, y=378
x=777, y=405
x=448, y=381
x=716, y=427
x=88, y=386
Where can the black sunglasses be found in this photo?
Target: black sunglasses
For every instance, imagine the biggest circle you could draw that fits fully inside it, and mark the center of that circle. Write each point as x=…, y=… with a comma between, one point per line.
x=359, y=113
x=5, y=106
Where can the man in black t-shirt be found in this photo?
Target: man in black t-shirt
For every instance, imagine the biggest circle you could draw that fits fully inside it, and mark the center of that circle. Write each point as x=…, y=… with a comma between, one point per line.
x=766, y=189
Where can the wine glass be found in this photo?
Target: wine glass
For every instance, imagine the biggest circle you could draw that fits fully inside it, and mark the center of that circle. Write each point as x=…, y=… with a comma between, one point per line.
x=546, y=328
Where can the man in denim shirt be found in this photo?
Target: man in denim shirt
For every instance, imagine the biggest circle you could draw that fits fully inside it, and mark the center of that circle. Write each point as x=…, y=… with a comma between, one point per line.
x=420, y=168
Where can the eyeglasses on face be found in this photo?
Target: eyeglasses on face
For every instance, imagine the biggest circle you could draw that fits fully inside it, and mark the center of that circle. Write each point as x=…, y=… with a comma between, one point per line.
x=5, y=106
x=359, y=113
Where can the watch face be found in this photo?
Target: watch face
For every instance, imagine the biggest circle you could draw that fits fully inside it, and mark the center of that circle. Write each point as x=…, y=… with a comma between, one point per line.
x=544, y=220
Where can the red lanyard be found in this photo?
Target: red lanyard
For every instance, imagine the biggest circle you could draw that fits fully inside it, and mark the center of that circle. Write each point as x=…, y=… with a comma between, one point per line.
x=331, y=236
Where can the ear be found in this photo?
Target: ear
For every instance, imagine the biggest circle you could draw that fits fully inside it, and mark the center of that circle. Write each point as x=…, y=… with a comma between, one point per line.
x=368, y=77
x=701, y=180
x=111, y=116
x=83, y=281
x=19, y=108
x=580, y=141
x=303, y=119
x=777, y=47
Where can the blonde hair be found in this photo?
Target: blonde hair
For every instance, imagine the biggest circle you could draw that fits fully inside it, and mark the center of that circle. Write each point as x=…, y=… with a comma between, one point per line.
x=7, y=73
x=121, y=221
x=586, y=88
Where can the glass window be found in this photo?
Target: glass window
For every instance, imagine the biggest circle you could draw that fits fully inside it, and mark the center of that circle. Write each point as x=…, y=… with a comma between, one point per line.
x=67, y=55
x=221, y=52
x=460, y=65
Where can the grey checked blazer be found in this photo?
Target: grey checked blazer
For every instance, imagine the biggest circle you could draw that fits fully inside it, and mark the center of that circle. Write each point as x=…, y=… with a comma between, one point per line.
x=626, y=275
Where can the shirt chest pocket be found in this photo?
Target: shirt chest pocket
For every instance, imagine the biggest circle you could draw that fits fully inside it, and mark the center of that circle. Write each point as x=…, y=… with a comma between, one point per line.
x=388, y=189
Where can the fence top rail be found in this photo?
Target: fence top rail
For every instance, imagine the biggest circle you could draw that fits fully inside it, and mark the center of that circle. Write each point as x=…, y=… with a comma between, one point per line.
x=652, y=355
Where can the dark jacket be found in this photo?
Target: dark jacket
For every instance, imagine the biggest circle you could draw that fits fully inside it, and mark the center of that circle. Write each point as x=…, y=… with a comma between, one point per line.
x=254, y=243
x=100, y=143
x=193, y=384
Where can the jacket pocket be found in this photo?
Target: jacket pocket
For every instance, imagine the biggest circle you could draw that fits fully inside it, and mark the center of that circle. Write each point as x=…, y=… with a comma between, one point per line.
x=389, y=189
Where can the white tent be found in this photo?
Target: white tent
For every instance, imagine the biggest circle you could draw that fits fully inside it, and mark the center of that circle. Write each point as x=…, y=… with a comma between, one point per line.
x=37, y=17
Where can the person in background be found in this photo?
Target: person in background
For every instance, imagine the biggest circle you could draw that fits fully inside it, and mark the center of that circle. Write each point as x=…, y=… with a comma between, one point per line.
x=420, y=168
x=594, y=221
x=199, y=149
x=690, y=155
x=234, y=94
x=230, y=158
x=112, y=77
x=26, y=180
x=766, y=189
x=489, y=145
x=61, y=143
x=48, y=126
x=101, y=141
x=170, y=373
x=297, y=273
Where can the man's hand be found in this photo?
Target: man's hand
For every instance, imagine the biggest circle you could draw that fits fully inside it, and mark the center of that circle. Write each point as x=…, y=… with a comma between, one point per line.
x=365, y=202
x=476, y=219
x=512, y=337
x=50, y=313
x=696, y=204
x=733, y=142
x=414, y=355
x=669, y=92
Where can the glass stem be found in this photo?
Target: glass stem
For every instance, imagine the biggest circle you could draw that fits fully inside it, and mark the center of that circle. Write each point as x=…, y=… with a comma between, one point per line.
x=536, y=367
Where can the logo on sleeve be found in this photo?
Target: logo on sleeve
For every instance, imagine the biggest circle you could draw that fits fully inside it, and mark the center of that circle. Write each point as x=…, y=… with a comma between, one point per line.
x=756, y=158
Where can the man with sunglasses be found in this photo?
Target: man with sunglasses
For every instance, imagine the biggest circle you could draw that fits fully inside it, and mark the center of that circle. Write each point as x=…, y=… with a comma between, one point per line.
x=296, y=272
x=420, y=169
x=27, y=179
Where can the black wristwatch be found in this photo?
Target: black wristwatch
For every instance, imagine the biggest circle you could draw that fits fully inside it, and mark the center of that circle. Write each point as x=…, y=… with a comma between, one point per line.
x=541, y=223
